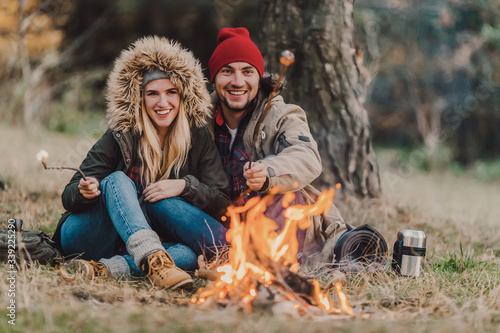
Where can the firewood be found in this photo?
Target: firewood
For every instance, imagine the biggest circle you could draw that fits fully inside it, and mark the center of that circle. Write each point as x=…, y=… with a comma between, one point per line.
x=206, y=274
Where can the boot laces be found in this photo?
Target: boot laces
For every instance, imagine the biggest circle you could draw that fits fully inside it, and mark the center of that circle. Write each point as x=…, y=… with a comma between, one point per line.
x=98, y=268
x=160, y=265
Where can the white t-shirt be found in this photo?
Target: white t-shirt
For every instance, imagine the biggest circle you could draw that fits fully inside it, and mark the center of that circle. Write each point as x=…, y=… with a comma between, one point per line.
x=233, y=135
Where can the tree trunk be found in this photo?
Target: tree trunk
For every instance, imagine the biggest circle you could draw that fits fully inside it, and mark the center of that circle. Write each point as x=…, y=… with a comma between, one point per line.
x=329, y=82
x=22, y=49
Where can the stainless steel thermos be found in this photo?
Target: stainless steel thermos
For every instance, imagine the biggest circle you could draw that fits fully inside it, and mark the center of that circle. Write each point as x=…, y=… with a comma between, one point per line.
x=409, y=252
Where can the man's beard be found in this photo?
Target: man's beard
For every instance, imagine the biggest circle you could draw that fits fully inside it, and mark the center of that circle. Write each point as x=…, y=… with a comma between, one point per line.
x=243, y=108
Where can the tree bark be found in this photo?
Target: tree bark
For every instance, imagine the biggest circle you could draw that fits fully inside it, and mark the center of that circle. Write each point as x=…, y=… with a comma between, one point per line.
x=329, y=82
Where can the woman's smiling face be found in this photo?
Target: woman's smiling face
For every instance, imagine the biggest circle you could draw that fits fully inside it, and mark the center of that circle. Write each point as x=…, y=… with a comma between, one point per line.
x=162, y=99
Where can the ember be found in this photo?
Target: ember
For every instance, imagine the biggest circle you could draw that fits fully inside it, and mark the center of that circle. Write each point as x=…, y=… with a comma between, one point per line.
x=262, y=266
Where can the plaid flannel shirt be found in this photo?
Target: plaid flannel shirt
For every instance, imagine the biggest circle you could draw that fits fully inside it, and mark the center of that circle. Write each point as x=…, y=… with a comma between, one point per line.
x=136, y=174
x=233, y=159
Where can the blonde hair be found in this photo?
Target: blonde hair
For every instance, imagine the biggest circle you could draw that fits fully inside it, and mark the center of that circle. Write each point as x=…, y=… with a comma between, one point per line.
x=155, y=165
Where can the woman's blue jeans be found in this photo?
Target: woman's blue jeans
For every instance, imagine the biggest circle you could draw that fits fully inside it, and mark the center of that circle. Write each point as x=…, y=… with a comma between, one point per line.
x=185, y=231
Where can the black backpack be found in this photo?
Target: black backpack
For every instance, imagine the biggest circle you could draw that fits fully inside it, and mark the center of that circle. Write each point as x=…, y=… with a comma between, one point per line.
x=31, y=245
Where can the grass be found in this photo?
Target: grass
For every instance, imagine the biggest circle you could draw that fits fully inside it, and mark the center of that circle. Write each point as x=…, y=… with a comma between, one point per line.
x=459, y=290
x=461, y=262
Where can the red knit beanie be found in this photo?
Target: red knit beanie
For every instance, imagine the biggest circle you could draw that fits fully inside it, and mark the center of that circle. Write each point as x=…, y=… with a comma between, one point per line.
x=233, y=45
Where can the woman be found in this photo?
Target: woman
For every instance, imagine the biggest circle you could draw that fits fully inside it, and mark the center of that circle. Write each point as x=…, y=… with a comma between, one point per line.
x=155, y=186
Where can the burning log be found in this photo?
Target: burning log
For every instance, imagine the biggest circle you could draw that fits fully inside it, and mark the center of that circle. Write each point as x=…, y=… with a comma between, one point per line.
x=262, y=264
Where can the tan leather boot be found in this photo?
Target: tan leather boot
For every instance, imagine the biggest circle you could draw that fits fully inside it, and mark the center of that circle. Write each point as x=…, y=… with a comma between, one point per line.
x=162, y=272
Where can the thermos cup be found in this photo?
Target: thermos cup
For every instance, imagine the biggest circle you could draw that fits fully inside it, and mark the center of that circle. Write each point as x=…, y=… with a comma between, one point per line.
x=409, y=252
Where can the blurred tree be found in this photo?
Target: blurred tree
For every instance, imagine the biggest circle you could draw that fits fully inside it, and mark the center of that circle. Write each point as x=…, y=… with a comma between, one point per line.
x=33, y=23
x=435, y=66
x=29, y=36
x=194, y=23
x=329, y=81
x=436, y=73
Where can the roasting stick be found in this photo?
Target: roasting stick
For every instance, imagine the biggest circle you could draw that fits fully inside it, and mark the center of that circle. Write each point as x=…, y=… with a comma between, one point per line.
x=286, y=59
x=42, y=157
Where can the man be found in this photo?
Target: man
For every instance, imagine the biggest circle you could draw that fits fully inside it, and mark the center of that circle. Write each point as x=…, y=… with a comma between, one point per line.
x=285, y=154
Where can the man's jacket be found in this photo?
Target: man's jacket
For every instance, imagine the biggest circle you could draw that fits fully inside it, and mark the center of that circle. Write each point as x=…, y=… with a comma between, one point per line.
x=293, y=162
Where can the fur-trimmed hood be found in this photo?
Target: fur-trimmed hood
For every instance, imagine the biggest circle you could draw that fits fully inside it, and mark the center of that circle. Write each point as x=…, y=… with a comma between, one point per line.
x=124, y=86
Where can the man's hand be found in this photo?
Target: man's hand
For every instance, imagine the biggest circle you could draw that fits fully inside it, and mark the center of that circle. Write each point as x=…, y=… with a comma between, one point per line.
x=256, y=176
x=164, y=189
x=89, y=188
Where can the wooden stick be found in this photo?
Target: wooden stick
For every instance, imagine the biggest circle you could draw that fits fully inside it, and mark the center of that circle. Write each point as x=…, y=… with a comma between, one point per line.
x=66, y=168
x=286, y=59
x=264, y=113
x=207, y=274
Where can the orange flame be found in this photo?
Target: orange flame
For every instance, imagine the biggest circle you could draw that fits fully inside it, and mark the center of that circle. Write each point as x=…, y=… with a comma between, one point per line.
x=343, y=299
x=321, y=298
x=257, y=249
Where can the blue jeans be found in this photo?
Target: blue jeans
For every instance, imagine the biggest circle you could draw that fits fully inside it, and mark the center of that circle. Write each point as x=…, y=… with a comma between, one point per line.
x=185, y=230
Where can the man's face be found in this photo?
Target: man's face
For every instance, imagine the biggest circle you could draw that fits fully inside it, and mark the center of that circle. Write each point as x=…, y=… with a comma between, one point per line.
x=237, y=85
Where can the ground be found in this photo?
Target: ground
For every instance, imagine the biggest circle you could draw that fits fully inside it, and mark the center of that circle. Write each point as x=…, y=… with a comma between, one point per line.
x=458, y=292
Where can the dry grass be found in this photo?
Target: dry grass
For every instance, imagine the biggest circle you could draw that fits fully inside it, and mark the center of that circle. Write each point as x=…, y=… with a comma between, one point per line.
x=459, y=292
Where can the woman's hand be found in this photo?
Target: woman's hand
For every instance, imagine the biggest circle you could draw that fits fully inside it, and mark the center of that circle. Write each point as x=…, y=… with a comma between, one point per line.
x=164, y=189
x=256, y=176
x=89, y=188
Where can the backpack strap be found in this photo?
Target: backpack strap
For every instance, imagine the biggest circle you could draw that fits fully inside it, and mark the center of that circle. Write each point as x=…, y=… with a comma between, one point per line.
x=18, y=225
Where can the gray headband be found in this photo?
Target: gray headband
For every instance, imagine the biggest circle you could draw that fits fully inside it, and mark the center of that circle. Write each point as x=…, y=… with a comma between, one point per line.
x=154, y=74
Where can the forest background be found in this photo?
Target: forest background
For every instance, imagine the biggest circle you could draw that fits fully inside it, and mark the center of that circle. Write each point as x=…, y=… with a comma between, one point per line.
x=433, y=67
x=432, y=77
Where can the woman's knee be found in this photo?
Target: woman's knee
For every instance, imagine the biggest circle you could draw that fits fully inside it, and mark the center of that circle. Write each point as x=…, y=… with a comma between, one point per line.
x=117, y=178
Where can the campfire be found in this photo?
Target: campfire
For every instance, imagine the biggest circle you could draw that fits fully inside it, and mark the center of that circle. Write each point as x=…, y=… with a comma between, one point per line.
x=262, y=264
